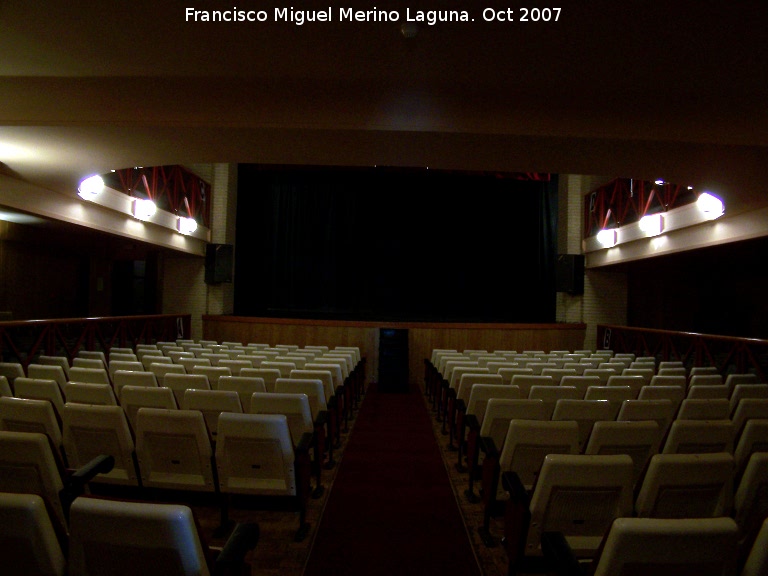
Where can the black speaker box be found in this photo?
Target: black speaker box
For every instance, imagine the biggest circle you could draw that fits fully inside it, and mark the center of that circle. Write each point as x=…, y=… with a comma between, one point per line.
x=569, y=273
x=218, y=263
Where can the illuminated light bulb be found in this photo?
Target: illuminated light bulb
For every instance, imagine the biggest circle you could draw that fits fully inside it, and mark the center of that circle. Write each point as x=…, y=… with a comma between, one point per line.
x=710, y=205
x=186, y=225
x=652, y=224
x=90, y=187
x=143, y=209
x=607, y=237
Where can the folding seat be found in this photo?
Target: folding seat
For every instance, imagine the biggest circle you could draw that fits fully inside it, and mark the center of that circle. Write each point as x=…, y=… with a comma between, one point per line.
x=746, y=391
x=731, y=380
x=704, y=370
x=705, y=547
x=125, y=365
x=341, y=389
x=748, y=409
x=235, y=366
x=93, y=363
x=41, y=390
x=309, y=355
x=458, y=405
x=11, y=371
x=29, y=543
x=319, y=348
x=255, y=456
x=591, y=363
x=28, y=415
x=551, y=394
x=674, y=393
x=214, y=357
x=89, y=375
x=699, y=437
x=672, y=372
x=577, y=495
x=295, y=407
x=585, y=413
x=135, y=397
x=492, y=433
x=482, y=361
x=334, y=398
x=55, y=361
x=190, y=363
x=495, y=365
x=634, y=382
x=687, y=486
x=269, y=376
x=631, y=356
x=644, y=365
x=48, y=372
x=91, y=355
x=5, y=387
x=161, y=369
x=645, y=373
x=639, y=440
x=646, y=359
x=148, y=359
x=526, y=382
x=122, y=378
x=123, y=537
x=245, y=386
x=751, y=500
x=616, y=367
x=671, y=364
x=508, y=373
x=757, y=562
x=173, y=450
x=120, y=350
x=179, y=383
x=558, y=374
x=90, y=431
x=254, y=359
x=704, y=409
x=662, y=411
x=753, y=438
x=538, y=367
x=212, y=372
x=231, y=343
x=614, y=395
x=211, y=403
x=256, y=345
x=145, y=347
x=86, y=393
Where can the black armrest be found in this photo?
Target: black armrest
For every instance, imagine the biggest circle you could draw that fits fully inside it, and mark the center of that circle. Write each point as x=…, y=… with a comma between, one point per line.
x=74, y=485
x=470, y=421
x=461, y=406
x=305, y=443
x=559, y=554
x=488, y=446
x=517, y=518
x=322, y=418
x=243, y=539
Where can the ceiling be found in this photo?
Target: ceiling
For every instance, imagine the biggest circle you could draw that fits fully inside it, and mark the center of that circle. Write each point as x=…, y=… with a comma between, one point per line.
x=676, y=90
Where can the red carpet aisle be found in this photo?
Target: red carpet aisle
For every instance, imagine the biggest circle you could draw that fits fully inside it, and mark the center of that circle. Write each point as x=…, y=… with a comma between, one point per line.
x=392, y=510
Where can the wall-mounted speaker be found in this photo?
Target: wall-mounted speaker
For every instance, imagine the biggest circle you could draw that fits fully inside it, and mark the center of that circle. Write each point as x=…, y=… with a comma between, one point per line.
x=219, y=260
x=569, y=273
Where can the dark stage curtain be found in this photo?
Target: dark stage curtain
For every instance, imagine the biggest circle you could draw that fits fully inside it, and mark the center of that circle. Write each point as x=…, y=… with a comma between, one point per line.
x=395, y=244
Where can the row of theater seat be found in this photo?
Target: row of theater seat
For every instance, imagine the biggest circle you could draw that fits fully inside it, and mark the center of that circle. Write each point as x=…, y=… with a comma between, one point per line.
x=518, y=433
x=192, y=437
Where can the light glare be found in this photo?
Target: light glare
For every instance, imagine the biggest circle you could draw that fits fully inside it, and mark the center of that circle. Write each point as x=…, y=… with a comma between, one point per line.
x=711, y=205
x=143, y=209
x=186, y=225
x=91, y=187
x=607, y=237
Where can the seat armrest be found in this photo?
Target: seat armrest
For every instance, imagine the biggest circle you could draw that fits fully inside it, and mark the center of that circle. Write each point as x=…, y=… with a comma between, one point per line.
x=488, y=446
x=231, y=559
x=517, y=517
x=322, y=418
x=470, y=421
x=559, y=554
x=306, y=442
x=74, y=484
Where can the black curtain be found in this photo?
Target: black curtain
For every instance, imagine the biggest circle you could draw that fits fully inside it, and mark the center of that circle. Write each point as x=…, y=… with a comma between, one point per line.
x=395, y=244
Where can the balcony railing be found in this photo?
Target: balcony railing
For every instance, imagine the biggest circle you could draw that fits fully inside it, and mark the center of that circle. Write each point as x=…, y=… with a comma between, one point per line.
x=22, y=341
x=729, y=354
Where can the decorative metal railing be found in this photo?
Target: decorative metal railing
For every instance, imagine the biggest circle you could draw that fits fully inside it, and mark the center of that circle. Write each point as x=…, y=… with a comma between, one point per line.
x=728, y=354
x=22, y=341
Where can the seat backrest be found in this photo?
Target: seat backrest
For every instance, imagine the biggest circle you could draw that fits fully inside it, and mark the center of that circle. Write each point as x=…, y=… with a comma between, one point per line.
x=245, y=386
x=508, y=373
x=748, y=409
x=116, y=365
x=154, y=357
x=269, y=375
x=90, y=431
x=28, y=466
x=122, y=378
x=662, y=380
x=48, y=372
x=55, y=361
x=645, y=373
x=662, y=411
x=705, y=380
x=28, y=415
x=687, y=486
x=674, y=371
x=704, y=370
x=559, y=373
x=706, y=391
x=212, y=372
x=82, y=362
x=173, y=450
x=161, y=369
x=254, y=455
x=179, y=383
x=551, y=394
x=704, y=409
x=85, y=393
x=91, y=355
x=211, y=403
x=525, y=382
x=481, y=393
x=295, y=407
x=699, y=437
x=89, y=375
x=672, y=392
x=746, y=391
x=753, y=438
x=40, y=390
x=731, y=380
x=527, y=442
x=312, y=388
x=639, y=440
x=705, y=547
x=284, y=367
x=5, y=387
x=235, y=366
x=214, y=357
x=581, y=383
x=580, y=495
x=615, y=395
x=602, y=373
x=468, y=381
x=28, y=540
x=751, y=499
x=122, y=355
x=460, y=371
x=634, y=382
x=757, y=560
x=585, y=413
x=314, y=374
x=135, y=397
x=151, y=538
x=499, y=412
